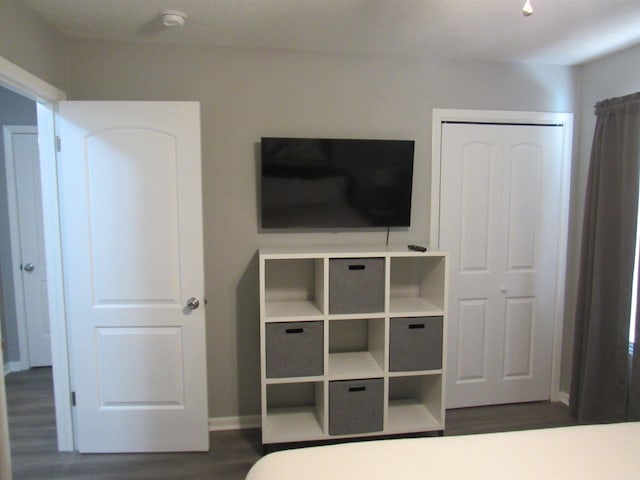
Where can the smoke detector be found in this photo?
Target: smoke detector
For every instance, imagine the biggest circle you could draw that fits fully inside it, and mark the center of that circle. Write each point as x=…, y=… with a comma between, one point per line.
x=173, y=18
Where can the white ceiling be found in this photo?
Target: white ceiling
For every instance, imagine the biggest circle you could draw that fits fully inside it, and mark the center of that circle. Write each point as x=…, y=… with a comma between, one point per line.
x=560, y=31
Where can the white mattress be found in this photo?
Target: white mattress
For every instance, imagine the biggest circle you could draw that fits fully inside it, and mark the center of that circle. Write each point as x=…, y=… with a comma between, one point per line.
x=581, y=452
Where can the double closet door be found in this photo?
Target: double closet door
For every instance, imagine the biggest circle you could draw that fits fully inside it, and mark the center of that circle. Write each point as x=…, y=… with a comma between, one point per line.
x=500, y=215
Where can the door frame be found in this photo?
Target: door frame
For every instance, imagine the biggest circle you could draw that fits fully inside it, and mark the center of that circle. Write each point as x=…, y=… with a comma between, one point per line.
x=15, y=244
x=441, y=115
x=47, y=97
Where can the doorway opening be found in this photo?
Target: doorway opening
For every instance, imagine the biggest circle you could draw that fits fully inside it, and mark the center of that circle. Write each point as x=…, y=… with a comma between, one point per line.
x=25, y=319
x=46, y=97
x=23, y=294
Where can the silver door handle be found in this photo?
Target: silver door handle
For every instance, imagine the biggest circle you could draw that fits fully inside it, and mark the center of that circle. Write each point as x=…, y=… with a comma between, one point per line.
x=29, y=267
x=193, y=303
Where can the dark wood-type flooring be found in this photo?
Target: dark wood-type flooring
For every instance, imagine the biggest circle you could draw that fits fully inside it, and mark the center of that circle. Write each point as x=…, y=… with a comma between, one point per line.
x=35, y=455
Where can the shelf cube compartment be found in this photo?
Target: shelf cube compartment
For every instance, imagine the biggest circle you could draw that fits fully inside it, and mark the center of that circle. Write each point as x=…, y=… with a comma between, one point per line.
x=295, y=411
x=356, y=348
x=294, y=349
x=415, y=404
x=415, y=343
x=356, y=406
x=294, y=288
x=417, y=284
x=356, y=285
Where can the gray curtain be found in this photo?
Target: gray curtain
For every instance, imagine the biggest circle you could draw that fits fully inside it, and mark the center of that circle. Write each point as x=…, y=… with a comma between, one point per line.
x=633, y=412
x=602, y=387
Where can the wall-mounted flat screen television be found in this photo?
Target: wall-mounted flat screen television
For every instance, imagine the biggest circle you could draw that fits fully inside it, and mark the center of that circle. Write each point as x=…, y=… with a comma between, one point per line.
x=335, y=183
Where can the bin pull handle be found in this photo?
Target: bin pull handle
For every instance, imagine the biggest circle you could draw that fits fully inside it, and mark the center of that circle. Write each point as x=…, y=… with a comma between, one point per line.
x=294, y=330
x=356, y=267
x=416, y=325
x=357, y=389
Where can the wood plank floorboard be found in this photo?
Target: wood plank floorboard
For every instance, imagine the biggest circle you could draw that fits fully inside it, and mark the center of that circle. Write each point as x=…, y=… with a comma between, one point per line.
x=232, y=453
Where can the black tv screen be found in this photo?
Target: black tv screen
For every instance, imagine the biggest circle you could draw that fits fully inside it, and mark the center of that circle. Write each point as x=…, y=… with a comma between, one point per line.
x=335, y=183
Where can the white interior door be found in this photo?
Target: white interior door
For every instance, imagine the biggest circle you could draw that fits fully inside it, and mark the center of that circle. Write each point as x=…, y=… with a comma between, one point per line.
x=25, y=204
x=131, y=208
x=499, y=219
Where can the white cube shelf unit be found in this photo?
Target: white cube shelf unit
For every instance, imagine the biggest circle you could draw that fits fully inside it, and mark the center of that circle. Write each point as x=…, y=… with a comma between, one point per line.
x=388, y=302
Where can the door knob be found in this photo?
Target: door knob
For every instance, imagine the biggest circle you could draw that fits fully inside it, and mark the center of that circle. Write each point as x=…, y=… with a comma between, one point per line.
x=503, y=288
x=193, y=303
x=29, y=267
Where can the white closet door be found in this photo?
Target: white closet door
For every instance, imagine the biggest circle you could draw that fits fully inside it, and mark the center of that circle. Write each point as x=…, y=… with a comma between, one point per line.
x=499, y=219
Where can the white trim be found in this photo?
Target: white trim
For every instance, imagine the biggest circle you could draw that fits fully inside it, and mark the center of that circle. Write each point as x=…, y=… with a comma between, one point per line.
x=60, y=360
x=20, y=81
x=14, y=235
x=11, y=367
x=217, y=424
x=565, y=199
x=563, y=397
x=47, y=96
x=495, y=116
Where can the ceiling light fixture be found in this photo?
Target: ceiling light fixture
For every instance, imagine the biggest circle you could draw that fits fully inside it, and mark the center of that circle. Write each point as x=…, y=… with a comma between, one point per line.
x=527, y=10
x=173, y=18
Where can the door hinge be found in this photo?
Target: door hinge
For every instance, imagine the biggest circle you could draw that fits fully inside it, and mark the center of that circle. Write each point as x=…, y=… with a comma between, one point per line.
x=73, y=399
x=58, y=144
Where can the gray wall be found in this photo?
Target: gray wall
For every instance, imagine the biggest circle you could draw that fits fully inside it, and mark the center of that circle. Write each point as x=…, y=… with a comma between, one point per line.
x=612, y=76
x=14, y=110
x=28, y=41
x=246, y=94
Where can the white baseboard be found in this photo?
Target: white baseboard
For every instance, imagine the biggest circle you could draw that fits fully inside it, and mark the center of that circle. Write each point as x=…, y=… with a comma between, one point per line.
x=234, y=423
x=12, y=367
x=564, y=398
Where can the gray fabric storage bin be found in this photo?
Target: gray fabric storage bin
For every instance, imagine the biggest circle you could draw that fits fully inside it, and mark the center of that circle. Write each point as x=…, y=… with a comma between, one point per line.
x=356, y=406
x=294, y=349
x=356, y=285
x=415, y=344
